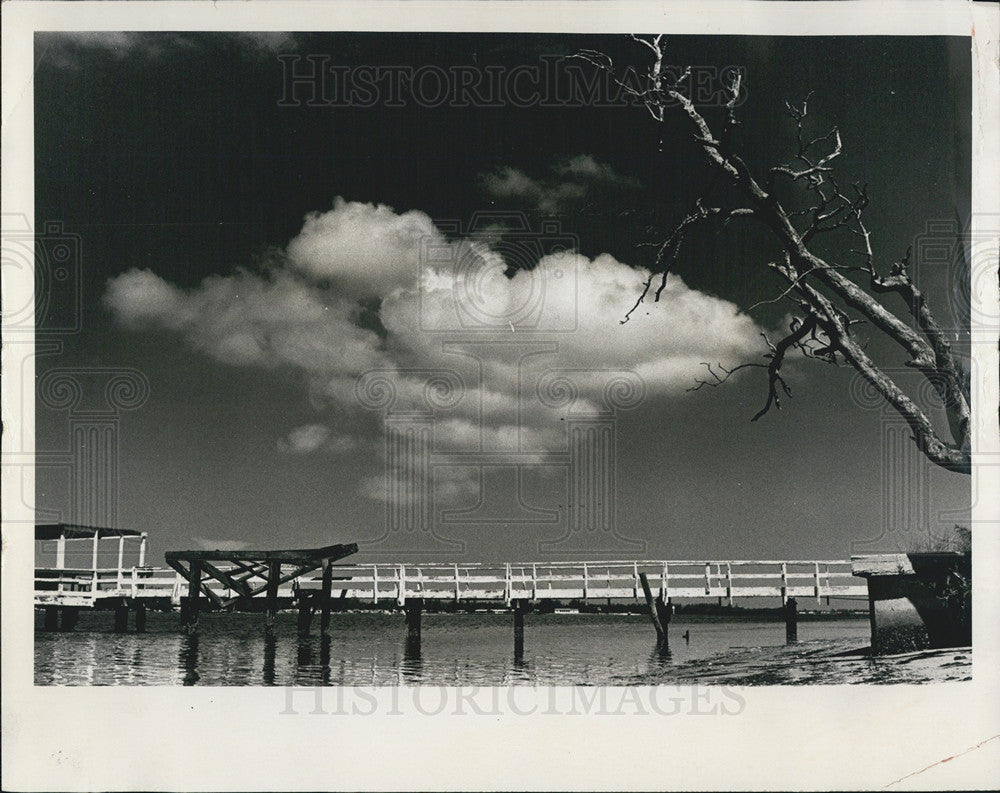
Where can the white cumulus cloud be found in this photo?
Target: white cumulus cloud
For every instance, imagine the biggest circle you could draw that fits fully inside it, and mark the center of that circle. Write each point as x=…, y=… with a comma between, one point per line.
x=497, y=357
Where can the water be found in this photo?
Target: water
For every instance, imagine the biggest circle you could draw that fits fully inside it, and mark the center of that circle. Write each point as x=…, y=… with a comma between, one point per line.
x=369, y=649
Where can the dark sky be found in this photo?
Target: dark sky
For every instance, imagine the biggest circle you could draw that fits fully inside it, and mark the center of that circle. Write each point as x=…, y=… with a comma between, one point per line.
x=173, y=159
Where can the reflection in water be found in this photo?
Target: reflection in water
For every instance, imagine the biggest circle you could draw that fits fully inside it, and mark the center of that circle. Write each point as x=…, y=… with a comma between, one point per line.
x=520, y=671
x=307, y=671
x=661, y=656
x=189, y=659
x=412, y=666
x=324, y=659
x=304, y=657
x=270, y=649
x=458, y=650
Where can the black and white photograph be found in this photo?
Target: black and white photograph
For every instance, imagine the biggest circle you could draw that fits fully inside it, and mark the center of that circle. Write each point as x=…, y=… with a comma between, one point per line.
x=562, y=366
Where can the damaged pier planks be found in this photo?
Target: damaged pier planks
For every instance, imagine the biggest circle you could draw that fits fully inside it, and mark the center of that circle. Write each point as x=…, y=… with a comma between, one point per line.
x=248, y=573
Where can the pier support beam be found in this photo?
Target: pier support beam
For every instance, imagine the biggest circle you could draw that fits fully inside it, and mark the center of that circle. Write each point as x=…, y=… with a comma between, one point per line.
x=140, y=617
x=324, y=599
x=189, y=607
x=791, y=609
x=273, y=577
x=305, y=613
x=520, y=607
x=121, y=618
x=51, y=618
x=67, y=618
x=664, y=610
x=413, y=608
x=652, y=605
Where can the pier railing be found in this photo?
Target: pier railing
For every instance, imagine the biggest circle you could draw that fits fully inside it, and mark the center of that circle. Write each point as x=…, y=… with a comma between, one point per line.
x=675, y=579
x=504, y=582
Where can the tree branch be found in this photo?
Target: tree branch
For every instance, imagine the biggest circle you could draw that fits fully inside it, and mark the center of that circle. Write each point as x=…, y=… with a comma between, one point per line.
x=926, y=346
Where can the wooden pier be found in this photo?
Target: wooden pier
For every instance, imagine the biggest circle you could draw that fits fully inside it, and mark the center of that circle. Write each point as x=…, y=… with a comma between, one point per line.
x=247, y=574
x=673, y=580
x=310, y=579
x=62, y=591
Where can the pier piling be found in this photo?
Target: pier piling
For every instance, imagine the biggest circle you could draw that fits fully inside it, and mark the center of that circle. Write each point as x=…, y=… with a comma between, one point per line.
x=140, y=617
x=305, y=614
x=121, y=618
x=324, y=598
x=520, y=607
x=273, y=577
x=413, y=608
x=791, y=621
x=653, y=610
x=664, y=610
x=51, y=618
x=67, y=618
x=189, y=609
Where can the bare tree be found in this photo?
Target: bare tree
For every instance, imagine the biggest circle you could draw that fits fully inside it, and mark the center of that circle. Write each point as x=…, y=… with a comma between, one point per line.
x=829, y=300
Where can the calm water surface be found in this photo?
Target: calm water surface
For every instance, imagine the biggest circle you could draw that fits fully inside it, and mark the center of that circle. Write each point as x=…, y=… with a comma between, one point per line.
x=367, y=649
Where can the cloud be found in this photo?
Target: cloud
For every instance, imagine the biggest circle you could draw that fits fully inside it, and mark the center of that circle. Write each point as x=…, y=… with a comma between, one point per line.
x=586, y=167
x=316, y=437
x=64, y=49
x=569, y=184
x=379, y=311
x=209, y=544
x=363, y=249
x=245, y=319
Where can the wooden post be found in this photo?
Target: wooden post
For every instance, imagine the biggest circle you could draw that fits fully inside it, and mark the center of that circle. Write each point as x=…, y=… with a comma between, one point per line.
x=791, y=621
x=784, y=583
x=121, y=618
x=324, y=598
x=189, y=659
x=729, y=582
x=270, y=656
x=97, y=535
x=67, y=618
x=271, y=605
x=413, y=609
x=648, y=593
x=51, y=618
x=664, y=610
x=875, y=649
x=121, y=560
x=520, y=606
x=142, y=550
x=140, y=617
x=819, y=599
x=189, y=610
x=305, y=613
x=61, y=551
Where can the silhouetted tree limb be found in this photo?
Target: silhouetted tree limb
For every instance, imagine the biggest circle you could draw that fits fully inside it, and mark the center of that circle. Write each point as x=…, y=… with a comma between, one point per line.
x=822, y=289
